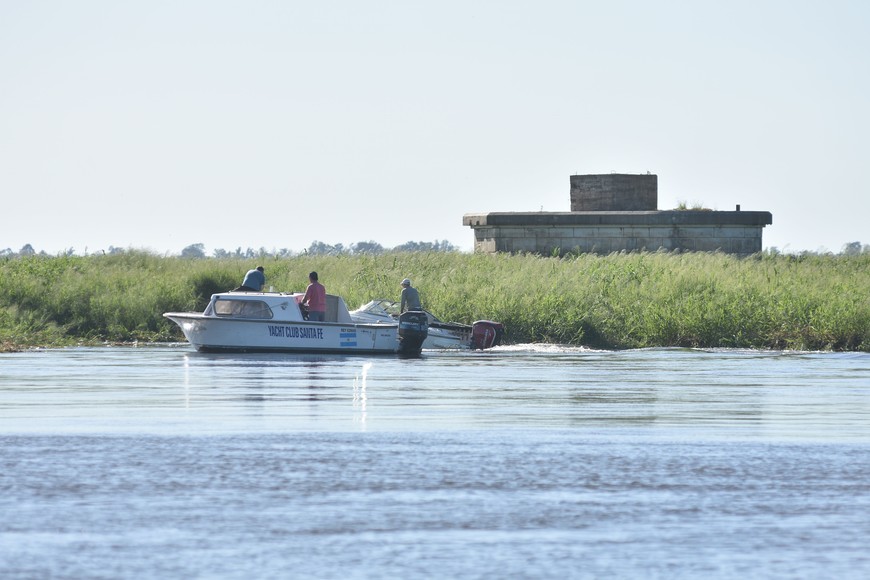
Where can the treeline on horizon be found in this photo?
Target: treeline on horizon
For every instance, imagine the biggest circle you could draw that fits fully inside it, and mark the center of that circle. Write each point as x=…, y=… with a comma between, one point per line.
x=316, y=248
x=619, y=301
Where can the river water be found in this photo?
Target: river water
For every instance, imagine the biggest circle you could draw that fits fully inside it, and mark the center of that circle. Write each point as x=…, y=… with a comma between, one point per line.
x=520, y=462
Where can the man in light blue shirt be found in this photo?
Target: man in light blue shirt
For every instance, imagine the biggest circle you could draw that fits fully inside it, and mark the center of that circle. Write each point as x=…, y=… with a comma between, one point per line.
x=254, y=281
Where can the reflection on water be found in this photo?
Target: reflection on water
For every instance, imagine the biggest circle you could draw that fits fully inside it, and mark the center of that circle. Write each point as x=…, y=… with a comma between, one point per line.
x=359, y=394
x=733, y=394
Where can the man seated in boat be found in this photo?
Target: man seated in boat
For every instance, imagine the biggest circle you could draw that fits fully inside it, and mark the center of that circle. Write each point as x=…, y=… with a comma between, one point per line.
x=254, y=281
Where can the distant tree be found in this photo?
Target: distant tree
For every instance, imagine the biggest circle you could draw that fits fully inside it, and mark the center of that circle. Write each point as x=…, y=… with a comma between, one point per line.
x=852, y=248
x=321, y=249
x=6, y=253
x=408, y=247
x=437, y=246
x=27, y=250
x=193, y=251
x=369, y=247
x=445, y=246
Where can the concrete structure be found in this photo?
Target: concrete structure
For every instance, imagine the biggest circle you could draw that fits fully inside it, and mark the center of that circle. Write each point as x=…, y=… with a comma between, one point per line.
x=614, y=192
x=615, y=228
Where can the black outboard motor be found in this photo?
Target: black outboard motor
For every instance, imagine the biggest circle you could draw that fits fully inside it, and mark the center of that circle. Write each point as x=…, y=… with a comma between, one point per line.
x=413, y=330
x=486, y=334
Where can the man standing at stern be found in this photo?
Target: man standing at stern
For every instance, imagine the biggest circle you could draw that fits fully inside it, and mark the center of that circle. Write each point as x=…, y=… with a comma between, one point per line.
x=410, y=297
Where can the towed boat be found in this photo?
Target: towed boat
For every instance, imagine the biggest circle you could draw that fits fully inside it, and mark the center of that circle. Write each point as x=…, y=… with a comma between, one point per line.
x=277, y=322
x=441, y=335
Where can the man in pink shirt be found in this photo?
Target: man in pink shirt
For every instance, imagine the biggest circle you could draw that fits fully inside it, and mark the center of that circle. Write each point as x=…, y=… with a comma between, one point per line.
x=315, y=299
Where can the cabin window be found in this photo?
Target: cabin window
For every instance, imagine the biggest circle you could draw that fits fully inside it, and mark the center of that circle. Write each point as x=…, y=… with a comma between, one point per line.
x=242, y=309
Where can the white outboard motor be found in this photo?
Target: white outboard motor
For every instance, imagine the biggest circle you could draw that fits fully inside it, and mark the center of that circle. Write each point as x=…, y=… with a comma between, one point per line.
x=486, y=334
x=413, y=330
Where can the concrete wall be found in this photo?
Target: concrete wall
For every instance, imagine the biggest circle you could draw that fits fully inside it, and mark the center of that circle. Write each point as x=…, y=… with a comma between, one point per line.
x=614, y=192
x=549, y=233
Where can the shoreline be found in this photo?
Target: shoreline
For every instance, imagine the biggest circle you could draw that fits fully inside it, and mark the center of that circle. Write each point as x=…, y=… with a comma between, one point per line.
x=614, y=302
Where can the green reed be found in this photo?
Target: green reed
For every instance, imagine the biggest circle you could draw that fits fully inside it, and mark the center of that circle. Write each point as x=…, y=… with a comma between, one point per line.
x=616, y=301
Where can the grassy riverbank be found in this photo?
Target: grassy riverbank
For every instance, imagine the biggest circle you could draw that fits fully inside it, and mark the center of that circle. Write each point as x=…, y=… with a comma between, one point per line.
x=616, y=301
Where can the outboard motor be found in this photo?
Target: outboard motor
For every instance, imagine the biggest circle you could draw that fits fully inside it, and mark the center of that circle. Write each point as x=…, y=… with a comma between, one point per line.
x=413, y=330
x=486, y=334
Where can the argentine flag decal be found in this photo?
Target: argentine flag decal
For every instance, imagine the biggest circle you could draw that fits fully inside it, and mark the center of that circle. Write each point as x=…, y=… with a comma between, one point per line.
x=347, y=338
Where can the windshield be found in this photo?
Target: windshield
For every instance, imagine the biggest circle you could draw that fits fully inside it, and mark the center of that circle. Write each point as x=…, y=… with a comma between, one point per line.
x=242, y=309
x=381, y=307
x=389, y=308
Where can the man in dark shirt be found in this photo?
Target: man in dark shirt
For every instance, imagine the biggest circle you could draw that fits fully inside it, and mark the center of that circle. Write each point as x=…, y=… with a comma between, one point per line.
x=410, y=297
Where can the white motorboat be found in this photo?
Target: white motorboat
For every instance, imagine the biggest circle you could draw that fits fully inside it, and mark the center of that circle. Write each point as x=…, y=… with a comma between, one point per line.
x=441, y=335
x=276, y=322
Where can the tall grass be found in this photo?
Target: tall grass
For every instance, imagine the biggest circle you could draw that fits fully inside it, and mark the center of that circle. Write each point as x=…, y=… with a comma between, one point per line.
x=616, y=301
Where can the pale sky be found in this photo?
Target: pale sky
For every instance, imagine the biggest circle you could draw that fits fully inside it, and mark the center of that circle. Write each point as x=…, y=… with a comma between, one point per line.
x=159, y=124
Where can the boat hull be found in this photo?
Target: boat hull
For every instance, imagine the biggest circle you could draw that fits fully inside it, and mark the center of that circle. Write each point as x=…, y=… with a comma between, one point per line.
x=209, y=334
x=445, y=336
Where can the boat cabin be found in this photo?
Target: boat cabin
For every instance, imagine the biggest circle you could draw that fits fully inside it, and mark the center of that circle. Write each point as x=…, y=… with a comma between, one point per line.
x=277, y=306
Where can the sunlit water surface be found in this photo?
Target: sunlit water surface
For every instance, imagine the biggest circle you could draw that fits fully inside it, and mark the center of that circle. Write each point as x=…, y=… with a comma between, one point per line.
x=524, y=462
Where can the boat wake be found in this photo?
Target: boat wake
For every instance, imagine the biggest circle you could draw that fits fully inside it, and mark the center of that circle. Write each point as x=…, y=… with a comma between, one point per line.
x=543, y=348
